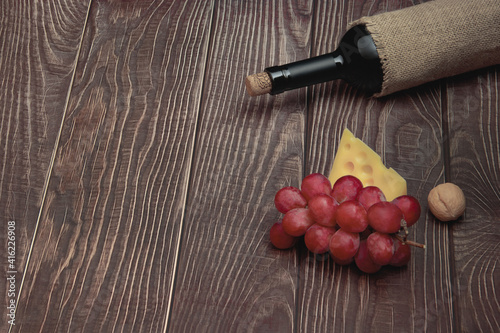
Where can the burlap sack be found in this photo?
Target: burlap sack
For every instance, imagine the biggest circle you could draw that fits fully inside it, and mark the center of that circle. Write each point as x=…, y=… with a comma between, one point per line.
x=434, y=40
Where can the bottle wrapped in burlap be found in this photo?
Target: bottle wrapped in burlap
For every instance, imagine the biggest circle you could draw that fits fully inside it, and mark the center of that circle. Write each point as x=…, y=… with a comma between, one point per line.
x=434, y=40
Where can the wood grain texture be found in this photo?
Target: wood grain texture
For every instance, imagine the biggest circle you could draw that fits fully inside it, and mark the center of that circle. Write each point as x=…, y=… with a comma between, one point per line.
x=405, y=129
x=39, y=45
x=473, y=117
x=105, y=255
x=230, y=278
x=155, y=213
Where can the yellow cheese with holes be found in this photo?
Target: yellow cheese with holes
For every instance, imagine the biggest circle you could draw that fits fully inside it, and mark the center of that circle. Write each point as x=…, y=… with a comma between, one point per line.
x=355, y=158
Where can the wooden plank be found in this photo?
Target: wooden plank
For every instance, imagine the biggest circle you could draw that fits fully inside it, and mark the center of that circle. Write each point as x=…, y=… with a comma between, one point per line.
x=105, y=255
x=39, y=45
x=473, y=119
x=405, y=129
x=230, y=278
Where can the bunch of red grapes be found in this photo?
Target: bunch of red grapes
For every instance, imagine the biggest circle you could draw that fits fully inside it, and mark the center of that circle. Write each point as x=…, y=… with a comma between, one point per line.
x=350, y=222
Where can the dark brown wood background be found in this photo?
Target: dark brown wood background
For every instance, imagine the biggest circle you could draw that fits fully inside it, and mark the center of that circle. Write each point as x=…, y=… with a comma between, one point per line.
x=141, y=177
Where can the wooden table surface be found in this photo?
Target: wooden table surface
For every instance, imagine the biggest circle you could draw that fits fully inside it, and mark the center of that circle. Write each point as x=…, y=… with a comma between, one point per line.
x=137, y=176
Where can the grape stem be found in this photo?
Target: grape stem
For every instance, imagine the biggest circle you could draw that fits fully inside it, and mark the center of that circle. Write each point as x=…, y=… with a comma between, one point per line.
x=409, y=242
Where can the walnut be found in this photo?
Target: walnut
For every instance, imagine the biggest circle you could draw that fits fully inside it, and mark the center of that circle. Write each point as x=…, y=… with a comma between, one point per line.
x=446, y=202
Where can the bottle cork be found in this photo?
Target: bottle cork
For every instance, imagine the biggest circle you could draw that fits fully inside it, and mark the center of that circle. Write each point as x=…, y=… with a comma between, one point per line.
x=258, y=84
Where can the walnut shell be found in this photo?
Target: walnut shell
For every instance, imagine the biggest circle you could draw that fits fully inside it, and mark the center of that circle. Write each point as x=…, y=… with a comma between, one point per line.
x=446, y=202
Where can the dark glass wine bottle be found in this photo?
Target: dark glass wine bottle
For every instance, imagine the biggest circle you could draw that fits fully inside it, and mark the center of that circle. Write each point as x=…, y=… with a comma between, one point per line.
x=355, y=61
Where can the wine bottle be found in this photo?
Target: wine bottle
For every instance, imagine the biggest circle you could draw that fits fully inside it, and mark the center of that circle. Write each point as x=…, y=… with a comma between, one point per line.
x=398, y=50
x=355, y=61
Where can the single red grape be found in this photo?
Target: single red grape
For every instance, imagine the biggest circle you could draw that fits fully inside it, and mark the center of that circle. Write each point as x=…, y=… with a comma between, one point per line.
x=370, y=195
x=289, y=198
x=363, y=260
x=385, y=217
x=323, y=209
x=317, y=238
x=351, y=216
x=315, y=184
x=380, y=248
x=410, y=207
x=344, y=245
x=279, y=238
x=346, y=188
x=402, y=254
x=297, y=221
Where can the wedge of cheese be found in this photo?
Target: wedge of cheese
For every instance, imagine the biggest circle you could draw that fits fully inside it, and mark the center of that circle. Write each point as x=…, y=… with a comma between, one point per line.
x=357, y=159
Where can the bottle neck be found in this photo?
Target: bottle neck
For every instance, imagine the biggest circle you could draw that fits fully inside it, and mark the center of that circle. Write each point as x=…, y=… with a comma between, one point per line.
x=306, y=72
x=355, y=61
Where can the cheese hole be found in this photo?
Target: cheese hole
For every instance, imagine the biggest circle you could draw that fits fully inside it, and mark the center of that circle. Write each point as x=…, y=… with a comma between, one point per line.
x=369, y=182
x=368, y=169
x=348, y=146
x=362, y=155
x=349, y=166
